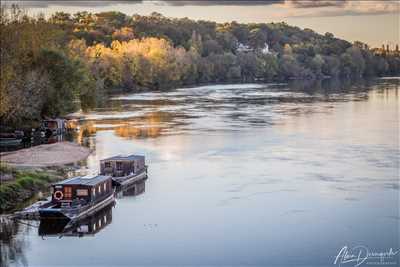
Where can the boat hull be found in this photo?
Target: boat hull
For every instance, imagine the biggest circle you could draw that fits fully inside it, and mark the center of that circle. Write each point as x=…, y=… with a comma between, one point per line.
x=75, y=212
x=129, y=179
x=51, y=213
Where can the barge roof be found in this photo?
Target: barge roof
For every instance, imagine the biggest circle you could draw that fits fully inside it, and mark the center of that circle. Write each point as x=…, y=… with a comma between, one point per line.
x=80, y=180
x=120, y=157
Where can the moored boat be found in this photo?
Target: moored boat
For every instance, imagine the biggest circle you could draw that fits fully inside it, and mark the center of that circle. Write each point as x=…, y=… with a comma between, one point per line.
x=84, y=226
x=77, y=197
x=53, y=126
x=124, y=170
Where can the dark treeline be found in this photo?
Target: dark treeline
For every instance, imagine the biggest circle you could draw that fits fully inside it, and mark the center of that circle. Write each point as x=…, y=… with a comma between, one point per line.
x=53, y=66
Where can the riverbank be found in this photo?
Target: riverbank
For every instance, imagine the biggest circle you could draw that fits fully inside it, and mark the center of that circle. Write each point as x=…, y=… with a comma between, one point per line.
x=56, y=154
x=25, y=172
x=18, y=186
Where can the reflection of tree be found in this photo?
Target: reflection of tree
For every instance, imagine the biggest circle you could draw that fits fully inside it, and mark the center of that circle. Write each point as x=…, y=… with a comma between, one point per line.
x=12, y=246
x=149, y=125
x=129, y=131
x=145, y=127
x=85, y=130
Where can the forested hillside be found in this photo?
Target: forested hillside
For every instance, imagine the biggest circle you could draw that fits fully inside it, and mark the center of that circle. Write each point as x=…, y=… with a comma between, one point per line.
x=53, y=66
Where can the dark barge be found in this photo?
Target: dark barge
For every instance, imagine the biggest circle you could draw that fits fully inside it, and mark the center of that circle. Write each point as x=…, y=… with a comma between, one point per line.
x=78, y=197
x=125, y=170
x=85, y=226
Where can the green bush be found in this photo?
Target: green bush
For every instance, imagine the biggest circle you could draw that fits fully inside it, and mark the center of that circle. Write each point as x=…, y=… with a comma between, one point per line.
x=25, y=186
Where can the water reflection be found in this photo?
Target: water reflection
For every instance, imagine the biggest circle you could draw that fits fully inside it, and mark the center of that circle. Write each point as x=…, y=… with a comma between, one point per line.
x=88, y=226
x=265, y=167
x=221, y=107
x=12, y=248
x=132, y=190
x=148, y=125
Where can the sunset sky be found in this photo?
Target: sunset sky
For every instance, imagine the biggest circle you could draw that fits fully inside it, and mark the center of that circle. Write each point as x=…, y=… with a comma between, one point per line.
x=373, y=22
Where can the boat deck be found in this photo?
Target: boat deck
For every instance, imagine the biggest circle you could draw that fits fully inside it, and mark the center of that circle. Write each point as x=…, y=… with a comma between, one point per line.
x=130, y=179
x=31, y=212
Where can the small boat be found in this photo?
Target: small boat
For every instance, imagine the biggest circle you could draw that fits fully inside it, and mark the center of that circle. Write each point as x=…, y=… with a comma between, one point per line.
x=53, y=126
x=124, y=170
x=78, y=197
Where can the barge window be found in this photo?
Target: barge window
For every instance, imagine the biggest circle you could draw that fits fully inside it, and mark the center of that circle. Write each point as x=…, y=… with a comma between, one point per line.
x=119, y=165
x=99, y=189
x=94, y=192
x=105, y=186
x=107, y=164
x=82, y=192
x=68, y=192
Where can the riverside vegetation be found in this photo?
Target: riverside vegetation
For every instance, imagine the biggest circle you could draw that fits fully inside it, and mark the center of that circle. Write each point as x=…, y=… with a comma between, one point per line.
x=56, y=65
x=18, y=186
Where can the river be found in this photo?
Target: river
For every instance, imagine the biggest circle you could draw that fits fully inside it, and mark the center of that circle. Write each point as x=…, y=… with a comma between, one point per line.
x=249, y=174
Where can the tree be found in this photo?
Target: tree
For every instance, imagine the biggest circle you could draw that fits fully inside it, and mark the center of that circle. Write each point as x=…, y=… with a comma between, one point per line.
x=353, y=62
x=240, y=31
x=196, y=43
x=331, y=66
x=123, y=34
x=248, y=65
x=316, y=65
x=26, y=98
x=61, y=18
x=65, y=78
x=257, y=38
x=211, y=47
x=227, y=41
x=268, y=67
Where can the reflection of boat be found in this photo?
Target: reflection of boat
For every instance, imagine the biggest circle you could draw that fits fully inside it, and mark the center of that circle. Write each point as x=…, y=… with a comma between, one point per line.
x=78, y=196
x=55, y=139
x=125, y=170
x=132, y=190
x=88, y=225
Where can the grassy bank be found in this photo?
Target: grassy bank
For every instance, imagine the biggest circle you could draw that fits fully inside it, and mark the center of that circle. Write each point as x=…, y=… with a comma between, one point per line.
x=18, y=186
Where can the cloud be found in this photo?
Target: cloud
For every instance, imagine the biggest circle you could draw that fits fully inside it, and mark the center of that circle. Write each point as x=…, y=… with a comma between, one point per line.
x=301, y=8
x=221, y=2
x=312, y=4
x=298, y=8
x=287, y=8
x=77, y=3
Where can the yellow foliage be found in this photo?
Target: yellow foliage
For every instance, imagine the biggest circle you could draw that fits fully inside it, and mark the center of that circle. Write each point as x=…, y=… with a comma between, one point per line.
x=149, y=60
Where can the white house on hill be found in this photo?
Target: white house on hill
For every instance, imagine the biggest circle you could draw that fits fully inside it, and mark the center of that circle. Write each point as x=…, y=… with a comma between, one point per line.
x=245, y=49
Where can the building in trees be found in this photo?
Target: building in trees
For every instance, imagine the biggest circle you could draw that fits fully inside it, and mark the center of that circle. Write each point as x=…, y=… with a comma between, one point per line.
x=265, y=49
x=242, y=48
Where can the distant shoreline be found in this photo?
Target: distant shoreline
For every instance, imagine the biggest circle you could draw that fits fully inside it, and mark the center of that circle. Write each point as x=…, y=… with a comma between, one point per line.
x=118, y=91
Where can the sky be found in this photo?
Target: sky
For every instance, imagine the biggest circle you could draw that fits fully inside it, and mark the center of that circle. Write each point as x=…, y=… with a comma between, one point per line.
x=373, y=22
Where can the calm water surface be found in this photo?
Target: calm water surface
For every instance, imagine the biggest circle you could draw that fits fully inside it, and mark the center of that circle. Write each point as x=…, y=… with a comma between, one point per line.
x=251, y=174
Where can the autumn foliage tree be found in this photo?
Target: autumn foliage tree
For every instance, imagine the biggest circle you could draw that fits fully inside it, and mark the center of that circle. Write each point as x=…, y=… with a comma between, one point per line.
x=53, y=66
